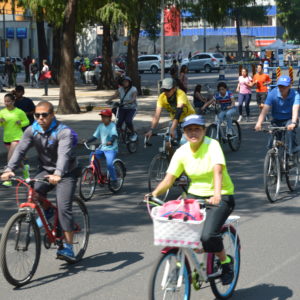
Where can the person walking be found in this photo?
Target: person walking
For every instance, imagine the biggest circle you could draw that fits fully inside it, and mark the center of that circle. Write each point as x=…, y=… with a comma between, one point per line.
x=183, y=79
x=15, y=72
x=244, y=90
x=45, y=76
x=26, y=63
x=174, y=70
x=34, y=73
x=8, y=71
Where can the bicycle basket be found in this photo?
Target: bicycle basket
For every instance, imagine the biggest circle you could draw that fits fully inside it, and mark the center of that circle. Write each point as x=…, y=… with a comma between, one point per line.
x=176, y=232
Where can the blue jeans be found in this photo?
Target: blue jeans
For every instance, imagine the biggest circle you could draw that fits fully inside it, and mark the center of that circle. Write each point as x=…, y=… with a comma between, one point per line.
x=228, y=115
x=110, y=156
x=244, y=98
x=290, y=136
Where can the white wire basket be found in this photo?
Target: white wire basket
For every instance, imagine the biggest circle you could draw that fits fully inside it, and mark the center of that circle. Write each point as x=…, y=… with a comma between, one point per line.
x=176, y=232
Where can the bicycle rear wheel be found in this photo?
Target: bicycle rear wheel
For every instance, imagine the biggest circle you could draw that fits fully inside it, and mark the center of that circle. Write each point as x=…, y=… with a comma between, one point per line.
x=120, y=174
x=81, y=229
x=157, y=171
x=87, y=184
x=20, y=248
x=132, y=146
x=164, y=279
x=292, y=174
x=272, y=175
x=236, y=138
x=229, y=237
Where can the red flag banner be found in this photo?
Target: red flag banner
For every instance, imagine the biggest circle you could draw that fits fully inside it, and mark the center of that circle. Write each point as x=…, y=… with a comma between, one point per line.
x=172, y=21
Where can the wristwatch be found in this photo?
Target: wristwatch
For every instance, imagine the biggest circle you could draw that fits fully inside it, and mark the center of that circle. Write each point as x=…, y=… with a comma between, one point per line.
x=294, y=123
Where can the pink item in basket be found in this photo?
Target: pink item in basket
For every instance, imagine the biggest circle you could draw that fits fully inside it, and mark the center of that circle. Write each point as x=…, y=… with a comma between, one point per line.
x=185, y=209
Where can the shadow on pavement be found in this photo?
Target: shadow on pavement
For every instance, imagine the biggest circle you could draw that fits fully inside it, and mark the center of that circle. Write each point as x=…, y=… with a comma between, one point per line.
x=263, y=292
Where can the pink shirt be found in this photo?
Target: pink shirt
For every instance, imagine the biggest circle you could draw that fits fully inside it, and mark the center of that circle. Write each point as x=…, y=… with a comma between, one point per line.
x=244, y=89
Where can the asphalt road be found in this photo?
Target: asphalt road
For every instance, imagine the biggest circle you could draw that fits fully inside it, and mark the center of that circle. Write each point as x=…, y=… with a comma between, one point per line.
x=120, y=255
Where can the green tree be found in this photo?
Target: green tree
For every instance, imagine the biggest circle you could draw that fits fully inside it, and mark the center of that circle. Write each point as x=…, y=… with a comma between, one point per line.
x=289, y=16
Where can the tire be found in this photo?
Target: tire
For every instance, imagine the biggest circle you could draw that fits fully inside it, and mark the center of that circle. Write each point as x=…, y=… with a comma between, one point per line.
x=81, y=229
x=20, y=236
x=292, y=174
x=219, y=290
x=156, y=291
x=212, y=132
x=87, y=184
x=154, y=69
x=120, y=173
x=207, y=69
x=157, y=172
x=272, y=176
x=234, y=141
x=132, y=146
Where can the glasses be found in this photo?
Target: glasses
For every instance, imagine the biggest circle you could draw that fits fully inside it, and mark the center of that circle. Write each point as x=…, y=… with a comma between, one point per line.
x=43, y=115
x=166, y=90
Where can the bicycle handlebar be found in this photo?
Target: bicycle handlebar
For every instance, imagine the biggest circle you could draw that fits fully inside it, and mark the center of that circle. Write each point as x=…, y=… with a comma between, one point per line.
x=91, y=147
x=275, y=128
x=27, y=180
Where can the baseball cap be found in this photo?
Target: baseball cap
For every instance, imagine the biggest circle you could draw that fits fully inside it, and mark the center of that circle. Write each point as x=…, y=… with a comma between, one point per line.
x=168, y=83
x=106, y=112
x=284, y=80
x=193, y=120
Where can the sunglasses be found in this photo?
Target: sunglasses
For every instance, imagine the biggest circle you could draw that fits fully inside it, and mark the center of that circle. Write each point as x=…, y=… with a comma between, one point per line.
x=43, y=115
x=166, y=90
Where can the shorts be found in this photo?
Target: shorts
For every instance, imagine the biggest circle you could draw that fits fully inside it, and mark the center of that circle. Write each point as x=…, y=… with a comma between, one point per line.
x=260, y=98
x=9, y=143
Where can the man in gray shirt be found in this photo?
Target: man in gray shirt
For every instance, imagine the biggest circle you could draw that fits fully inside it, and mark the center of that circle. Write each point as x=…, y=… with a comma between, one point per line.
x=53, y=142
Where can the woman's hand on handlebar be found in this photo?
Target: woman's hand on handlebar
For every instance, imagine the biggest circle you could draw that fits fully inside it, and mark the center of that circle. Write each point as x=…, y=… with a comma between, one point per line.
x=214, y=200
x=148, y=134
x=7, y=175
x=53, y=179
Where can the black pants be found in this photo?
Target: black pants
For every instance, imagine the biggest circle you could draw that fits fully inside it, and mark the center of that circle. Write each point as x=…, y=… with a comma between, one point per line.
x=215, y=218
x=65, y=190
x=126, y=115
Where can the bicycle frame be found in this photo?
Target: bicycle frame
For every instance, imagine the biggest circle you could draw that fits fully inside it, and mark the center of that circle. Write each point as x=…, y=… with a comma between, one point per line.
x=95, y=165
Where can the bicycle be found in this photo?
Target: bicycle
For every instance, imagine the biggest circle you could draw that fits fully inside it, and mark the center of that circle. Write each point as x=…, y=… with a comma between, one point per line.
x=160, y=162
x=180, y=267
x=124, y=134
x=20, y=246
x=278, y=165
x=92, y=174
x=217, y=131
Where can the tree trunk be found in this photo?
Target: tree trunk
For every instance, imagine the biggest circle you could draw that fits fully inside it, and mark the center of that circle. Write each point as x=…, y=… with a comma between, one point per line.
x=67, y=98
x=41, y=37
x=132, y=55
x=239, y=38
x=106, y=81
x=57, y=42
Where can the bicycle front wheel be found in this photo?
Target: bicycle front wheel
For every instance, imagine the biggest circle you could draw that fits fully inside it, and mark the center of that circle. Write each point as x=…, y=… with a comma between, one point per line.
x=120, y=174
x=157, y=171
x=272, y=176
x=293, y=172
x=87, y=184
x=81, y=229
x=165, y=279
x=232, y=248
x=20, y=248
x=212, y=132
x=235, y=139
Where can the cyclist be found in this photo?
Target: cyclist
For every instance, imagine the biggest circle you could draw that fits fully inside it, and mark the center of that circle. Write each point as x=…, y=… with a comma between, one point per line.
x=261, y=81
x=176, y=103
x=107, y=133
x=284, y=102
x=203, y=162
x=53, y=142
x=128, y=105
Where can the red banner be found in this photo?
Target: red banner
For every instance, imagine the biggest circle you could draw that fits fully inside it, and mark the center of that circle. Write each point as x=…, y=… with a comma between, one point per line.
x=172, y=21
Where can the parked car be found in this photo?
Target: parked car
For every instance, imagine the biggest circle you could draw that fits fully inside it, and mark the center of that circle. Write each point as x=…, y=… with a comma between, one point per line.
x=206, y=62
x=152, y=63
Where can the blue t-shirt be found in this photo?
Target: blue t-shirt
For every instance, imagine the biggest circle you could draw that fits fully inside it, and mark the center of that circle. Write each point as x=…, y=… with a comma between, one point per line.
x=282, y=109
x=224, y=101
x=105, y=133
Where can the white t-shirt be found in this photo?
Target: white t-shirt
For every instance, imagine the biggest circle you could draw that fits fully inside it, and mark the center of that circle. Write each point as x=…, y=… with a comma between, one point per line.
x=128, y=97
x=45, y=69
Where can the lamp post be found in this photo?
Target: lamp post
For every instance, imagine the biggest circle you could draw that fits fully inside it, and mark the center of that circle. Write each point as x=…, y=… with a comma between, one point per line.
x=218, y=47
x=204, y=35
x=4, y=32
x=162, y=40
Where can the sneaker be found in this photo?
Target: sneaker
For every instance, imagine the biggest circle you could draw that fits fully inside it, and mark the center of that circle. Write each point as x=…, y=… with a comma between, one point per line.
x=240, y=118
x=49, y=213
x=133, y=137
x=7, y=183
x=26, y=171
x=66, y=253
x=227, y=274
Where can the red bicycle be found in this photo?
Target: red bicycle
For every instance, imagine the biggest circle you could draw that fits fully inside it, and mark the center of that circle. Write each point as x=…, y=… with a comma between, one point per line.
x=92, y=174
x=20, y=246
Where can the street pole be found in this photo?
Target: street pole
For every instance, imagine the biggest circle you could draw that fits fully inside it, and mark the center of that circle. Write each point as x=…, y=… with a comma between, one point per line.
x=162, y=41
x=204, y=36
x=4, y=32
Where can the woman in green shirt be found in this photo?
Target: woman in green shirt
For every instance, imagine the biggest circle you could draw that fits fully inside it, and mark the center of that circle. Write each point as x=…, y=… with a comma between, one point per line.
x=12, y=119
x=202, y=160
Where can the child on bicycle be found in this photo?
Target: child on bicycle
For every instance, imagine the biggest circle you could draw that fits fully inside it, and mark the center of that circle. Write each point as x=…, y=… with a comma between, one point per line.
x=107, y=133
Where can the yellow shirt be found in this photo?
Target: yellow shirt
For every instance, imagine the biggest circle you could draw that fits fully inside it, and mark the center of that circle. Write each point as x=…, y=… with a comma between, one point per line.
x=181, y=99
x=199, y=166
